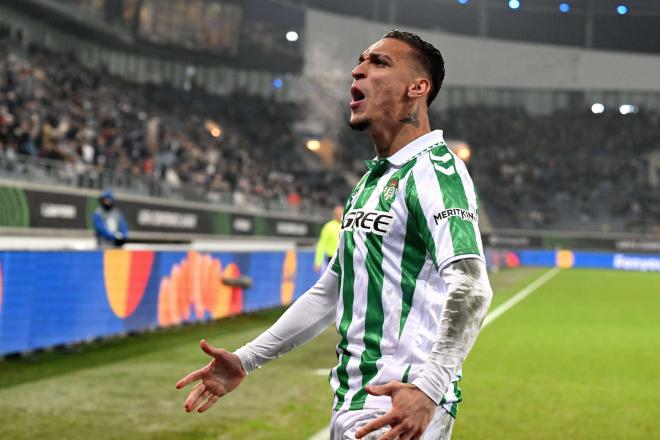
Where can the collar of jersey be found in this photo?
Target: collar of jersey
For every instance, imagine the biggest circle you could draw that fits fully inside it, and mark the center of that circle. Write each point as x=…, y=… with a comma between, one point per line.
x=410, y=151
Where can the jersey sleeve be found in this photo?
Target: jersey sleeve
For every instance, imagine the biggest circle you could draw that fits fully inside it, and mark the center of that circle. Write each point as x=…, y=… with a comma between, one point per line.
x=442, y=200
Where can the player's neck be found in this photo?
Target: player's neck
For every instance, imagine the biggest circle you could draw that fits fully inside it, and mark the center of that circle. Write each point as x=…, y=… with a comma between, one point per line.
x=391, y=139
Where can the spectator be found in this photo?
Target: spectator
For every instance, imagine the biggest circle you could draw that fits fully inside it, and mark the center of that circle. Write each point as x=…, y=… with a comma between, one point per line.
x=109, y=223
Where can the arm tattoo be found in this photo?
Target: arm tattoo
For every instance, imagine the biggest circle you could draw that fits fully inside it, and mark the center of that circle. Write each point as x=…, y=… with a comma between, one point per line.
x=412, y=118
x=467, y=303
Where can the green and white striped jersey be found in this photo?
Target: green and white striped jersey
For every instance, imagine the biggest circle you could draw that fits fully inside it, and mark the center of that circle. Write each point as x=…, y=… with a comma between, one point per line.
x=407, y=218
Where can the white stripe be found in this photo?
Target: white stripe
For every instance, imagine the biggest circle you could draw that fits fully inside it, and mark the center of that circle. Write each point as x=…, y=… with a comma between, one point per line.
x=446, y=171
x=324, y=434
x=444, y=158
x=515, y=299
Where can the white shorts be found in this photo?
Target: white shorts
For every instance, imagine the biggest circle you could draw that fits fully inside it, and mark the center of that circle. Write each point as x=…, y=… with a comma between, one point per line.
x=346, y=423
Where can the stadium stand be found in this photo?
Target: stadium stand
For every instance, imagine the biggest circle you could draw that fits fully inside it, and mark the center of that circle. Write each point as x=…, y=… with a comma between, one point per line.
x=566, y=170
x=87, y=128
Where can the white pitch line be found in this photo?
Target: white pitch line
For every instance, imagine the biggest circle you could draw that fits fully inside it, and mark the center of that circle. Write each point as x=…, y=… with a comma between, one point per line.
x=500, y=310
x=323, y=434
x=515, y=299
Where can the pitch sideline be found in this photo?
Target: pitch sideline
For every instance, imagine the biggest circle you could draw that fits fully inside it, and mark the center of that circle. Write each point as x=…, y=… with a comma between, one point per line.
x=324, y=434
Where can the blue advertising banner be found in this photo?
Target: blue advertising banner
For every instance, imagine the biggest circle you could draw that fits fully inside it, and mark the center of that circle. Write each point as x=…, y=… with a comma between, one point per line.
x=566, y=259
x=52, y=298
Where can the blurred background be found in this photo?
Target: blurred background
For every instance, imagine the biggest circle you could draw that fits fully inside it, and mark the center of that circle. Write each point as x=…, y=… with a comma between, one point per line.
x=216, y=131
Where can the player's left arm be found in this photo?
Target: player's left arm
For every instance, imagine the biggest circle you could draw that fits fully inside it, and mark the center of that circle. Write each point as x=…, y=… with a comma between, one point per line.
x=467, y=303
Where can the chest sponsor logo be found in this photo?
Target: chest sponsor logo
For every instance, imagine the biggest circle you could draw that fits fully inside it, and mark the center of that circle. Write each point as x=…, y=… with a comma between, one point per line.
x=377, y=222
x=455, y=212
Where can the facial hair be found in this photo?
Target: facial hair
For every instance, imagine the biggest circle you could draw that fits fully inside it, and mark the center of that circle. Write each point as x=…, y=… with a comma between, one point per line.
x=359, y=125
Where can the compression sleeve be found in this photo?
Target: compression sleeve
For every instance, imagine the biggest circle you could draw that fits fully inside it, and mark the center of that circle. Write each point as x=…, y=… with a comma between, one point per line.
x=312, y=313
x=467, y=303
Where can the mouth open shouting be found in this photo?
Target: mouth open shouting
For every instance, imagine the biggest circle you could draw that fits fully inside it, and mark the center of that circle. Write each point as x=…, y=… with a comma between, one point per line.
x=358, y=97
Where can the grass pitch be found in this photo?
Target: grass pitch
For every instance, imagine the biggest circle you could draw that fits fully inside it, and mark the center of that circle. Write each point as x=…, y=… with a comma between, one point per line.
x=579, y=358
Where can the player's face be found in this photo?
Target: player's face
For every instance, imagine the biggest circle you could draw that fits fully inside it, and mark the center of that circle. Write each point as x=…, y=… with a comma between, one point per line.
x=380, y=84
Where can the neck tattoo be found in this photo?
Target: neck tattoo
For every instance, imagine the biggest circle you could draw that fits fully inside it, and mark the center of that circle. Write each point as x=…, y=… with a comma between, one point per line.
x=412, y=118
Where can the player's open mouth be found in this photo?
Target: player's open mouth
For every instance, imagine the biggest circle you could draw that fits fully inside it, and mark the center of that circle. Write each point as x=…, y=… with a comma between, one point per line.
x=358, y=96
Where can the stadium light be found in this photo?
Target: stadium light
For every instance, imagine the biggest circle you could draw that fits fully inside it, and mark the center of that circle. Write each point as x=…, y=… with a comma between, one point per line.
x=564, y=7
x=514, y=4
x=313, y=144
x=213, y=128
x=628, y=108
x=597, y=108
x=278, y=83
x=622, y=9
x=292, y=36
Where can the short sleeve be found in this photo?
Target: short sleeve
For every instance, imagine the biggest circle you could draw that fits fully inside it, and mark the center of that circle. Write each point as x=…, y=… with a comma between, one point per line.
x=443, y=202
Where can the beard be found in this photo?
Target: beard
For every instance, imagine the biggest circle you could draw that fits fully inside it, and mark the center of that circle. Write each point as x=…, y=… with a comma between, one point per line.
x=360, y=125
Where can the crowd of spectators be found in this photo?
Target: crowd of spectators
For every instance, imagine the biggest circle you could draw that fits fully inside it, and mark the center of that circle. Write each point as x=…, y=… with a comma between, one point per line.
x=575, y=169
x=101, y=129
x=563, y=170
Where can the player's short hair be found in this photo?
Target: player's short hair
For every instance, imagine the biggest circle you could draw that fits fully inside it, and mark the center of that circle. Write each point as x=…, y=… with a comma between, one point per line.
x=428, y=56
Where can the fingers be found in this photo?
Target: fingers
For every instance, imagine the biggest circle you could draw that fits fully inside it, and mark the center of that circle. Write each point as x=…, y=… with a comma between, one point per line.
x=380, y=390
x=394, y=433
x=209, y=349
x=195, y=397
x=189, y=378
x=410, y=435
x=209, y=403
x=387, y=419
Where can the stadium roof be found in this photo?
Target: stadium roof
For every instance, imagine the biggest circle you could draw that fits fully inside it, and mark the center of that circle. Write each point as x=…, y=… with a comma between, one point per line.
x=627, y=25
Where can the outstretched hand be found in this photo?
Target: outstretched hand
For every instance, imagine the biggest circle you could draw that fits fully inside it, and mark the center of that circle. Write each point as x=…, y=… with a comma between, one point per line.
x=411, y=413
x=221, y=376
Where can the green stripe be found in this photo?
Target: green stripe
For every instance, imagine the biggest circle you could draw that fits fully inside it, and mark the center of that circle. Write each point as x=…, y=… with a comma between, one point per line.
x=374, y=316
x=336, y=267
x=412, y=261
x=463, y=237
x=405, y=374
x=414, y=207
x=459, y=398
x=348, y=279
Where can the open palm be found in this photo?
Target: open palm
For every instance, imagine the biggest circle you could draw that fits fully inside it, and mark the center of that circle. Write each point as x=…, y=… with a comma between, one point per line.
x=221, y=376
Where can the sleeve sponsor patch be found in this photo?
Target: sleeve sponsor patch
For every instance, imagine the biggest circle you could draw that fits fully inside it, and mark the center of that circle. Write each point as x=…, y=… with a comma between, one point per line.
x=455, y=212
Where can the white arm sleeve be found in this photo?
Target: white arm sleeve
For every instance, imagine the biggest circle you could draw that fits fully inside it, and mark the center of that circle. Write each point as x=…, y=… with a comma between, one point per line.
x=312, y=313
x=467, y=303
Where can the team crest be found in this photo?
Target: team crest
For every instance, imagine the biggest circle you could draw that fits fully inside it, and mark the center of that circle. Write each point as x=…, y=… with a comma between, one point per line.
x=390, y=190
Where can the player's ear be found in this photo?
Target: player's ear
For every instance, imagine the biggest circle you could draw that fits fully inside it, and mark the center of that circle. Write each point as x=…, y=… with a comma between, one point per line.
x=419, y=88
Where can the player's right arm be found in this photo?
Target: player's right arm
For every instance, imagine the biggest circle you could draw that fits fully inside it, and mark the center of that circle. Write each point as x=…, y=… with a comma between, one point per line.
x=304, y=320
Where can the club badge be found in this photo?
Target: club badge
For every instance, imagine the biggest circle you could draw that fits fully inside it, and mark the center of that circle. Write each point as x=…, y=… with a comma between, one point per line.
x=390, y=190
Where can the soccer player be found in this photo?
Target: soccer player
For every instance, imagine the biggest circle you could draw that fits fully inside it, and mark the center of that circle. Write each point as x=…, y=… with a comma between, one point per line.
x=328, y=239
x=407, y=288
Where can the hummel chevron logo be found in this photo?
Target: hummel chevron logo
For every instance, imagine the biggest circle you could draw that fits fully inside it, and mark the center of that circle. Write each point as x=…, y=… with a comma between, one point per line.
x=447, y=171
x=444, y=158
